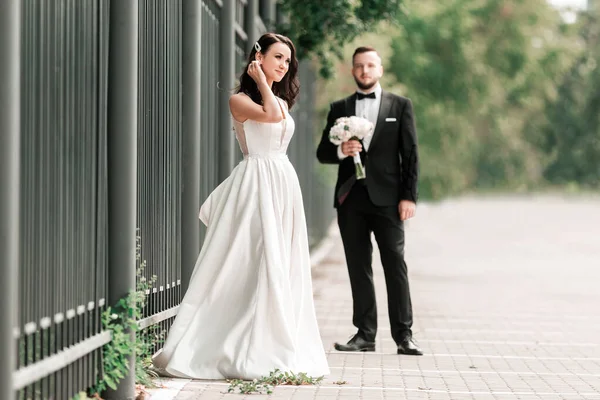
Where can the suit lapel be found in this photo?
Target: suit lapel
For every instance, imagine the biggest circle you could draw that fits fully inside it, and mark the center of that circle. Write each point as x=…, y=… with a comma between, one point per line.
x=351, y=105
x=384, y=110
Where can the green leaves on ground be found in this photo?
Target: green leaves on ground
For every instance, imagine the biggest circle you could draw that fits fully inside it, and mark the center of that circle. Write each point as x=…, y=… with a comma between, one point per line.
x=265, y=385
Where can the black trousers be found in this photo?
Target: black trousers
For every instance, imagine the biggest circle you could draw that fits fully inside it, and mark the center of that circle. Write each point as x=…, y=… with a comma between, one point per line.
x=357, y=218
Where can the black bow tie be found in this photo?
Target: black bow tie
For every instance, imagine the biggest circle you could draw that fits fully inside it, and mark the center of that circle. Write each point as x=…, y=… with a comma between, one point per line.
x=360, y=96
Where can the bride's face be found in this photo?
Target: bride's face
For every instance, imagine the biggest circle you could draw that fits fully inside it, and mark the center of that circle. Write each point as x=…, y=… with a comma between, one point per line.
x=276, y=62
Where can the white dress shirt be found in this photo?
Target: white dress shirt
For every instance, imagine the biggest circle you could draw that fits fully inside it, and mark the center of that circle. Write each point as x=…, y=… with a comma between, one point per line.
x=369, y=109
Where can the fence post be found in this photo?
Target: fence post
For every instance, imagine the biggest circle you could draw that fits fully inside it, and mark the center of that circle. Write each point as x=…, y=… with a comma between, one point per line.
x=268, y=13
x=122, y=163
x=251, y=14
x=191, y=78
x=226, y=82
x=10, y=101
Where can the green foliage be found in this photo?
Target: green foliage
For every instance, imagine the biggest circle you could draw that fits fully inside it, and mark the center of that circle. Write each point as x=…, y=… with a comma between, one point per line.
x=249, y=387
x=478, y=72
x=145, y=342
x=570, y=136
x=504, y=91
x=275, y=378
x=432, y=53
x=321, y=28
x=127, y=338
x=121, y=322
x=84, y=396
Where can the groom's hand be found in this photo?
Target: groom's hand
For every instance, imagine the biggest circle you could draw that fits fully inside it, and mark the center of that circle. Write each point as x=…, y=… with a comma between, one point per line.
x=406, y=209
x=351, y=147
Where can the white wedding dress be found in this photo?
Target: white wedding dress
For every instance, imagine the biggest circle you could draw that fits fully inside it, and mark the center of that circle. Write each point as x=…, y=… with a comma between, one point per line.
x=249, y=308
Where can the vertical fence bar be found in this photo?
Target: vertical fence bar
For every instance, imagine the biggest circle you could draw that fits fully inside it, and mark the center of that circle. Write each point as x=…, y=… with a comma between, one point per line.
x=122, y=162
x=226, y=80
x=10, y=58
x=267, y=12
x=251, y=30
x=191, y=125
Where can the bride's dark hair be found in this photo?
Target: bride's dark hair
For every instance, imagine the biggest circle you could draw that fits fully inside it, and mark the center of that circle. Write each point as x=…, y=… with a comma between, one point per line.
x=288, y=87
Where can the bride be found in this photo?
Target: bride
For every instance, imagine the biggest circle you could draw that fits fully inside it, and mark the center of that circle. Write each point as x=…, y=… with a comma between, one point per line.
x=249, y=308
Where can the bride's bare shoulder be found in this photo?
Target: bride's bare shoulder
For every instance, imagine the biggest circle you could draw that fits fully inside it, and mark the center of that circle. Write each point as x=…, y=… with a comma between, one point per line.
x=239, y=98
x=239, y=104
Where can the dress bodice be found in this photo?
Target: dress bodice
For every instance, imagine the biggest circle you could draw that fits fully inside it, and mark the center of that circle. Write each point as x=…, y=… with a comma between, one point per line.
x=264, y=139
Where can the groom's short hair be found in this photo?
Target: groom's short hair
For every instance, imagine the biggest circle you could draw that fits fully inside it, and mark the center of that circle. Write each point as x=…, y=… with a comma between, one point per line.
x=362, y=49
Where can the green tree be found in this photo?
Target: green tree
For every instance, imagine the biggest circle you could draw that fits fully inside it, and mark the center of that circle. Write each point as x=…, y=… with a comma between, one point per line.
x=478, y=72
x=570, y=138
x=321, y=28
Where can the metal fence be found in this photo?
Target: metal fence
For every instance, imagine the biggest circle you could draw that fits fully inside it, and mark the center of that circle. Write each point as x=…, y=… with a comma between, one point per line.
x=100, y=125
x=63, y=265
x=159, y=140
x=209, y=101
x=317, y=194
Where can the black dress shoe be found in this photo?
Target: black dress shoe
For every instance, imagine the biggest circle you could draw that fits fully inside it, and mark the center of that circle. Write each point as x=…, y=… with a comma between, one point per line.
x=357, y=343
x=408, y=346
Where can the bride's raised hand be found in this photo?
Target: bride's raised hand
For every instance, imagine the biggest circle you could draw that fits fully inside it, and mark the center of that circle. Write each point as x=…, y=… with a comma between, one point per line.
x=256, y=72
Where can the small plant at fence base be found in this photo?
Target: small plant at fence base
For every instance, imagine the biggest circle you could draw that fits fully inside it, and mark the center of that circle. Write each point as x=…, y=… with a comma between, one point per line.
x=121, y=321
x=84, y=396
x=275, y=378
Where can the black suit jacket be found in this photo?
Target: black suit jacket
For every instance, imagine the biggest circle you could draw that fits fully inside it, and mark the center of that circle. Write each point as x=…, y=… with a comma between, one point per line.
x=392, y=162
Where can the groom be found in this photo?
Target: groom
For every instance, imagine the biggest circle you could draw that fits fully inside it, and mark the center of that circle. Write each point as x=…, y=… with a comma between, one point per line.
x=379, y=204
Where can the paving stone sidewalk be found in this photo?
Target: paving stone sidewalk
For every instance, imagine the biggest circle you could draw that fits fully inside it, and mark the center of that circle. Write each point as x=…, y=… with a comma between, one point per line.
x=506, y=297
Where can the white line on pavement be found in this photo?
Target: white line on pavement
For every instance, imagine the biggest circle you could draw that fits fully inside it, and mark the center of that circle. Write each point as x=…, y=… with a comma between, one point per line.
x=499, y=342
x=332, y=326
x=509, y=342
x=327, y=306
x=541, y=332
x=473, y=356
x=519, y=357
x=471, y=372
x=455, y=392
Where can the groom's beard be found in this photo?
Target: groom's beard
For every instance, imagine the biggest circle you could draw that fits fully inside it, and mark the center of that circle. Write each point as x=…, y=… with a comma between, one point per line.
x=363, y=86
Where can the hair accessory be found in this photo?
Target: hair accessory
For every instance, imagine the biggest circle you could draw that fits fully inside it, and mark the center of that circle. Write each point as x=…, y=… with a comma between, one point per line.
x=257, y=47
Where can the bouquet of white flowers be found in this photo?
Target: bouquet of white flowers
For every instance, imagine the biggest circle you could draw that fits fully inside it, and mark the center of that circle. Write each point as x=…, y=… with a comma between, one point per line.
x=352, y=128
